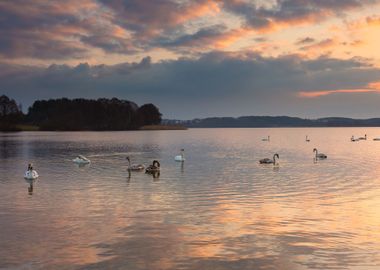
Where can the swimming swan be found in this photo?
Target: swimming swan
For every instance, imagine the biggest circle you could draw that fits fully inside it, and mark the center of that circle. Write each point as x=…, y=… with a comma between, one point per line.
x=266, y=139
x=155, y=167
x=307, y=139
x=81, y=160
x=134, y=167
x=353, y=139
x=181, y=156
x=30, y=174
x=363, y=138
x=319, y=156
x=268, y=160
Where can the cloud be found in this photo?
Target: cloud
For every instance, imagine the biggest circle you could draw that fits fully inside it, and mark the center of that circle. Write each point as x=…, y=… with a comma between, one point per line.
x=148, y=20
x=305, y=40
x=216, y=37
x=314, y=94
x=216, y=83
x=290, y=12
x=321, y=45
x=39, y=29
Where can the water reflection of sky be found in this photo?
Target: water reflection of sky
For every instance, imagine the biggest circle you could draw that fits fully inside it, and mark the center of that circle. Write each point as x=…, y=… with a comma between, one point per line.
x=220, y=210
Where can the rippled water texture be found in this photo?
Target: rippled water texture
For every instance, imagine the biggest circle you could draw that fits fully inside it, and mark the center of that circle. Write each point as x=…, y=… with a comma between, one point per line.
x=221, y=209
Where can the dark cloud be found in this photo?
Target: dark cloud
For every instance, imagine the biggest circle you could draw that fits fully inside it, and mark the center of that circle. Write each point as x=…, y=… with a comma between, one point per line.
x=291, y=11
x=323, y=44
x=305, y=40
x=215, y=84
x=204, y=35
x=58, y=30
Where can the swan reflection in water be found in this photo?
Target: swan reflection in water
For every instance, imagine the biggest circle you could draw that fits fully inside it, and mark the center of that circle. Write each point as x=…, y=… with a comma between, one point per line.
x=31, y=183
x=154, y=174
x=182, y=167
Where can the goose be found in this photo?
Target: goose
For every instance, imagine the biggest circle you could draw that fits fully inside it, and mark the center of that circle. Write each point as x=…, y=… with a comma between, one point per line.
x=266, y=139
x=307, y=139
x=319, y=156
x=155, y=167
x=134, y=167
x=363, y=138
x=81, y=160
x=269, y=161
x=31, y=174
x=181, y=156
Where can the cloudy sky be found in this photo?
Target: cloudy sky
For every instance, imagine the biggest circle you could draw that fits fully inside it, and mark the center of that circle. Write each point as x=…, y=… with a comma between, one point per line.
x=199, y=58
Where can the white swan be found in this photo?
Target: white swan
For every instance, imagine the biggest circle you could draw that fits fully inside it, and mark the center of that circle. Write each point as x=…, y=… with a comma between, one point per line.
x=307, y=139
x=30, y=174
x=155, y=167
x=353, y=139
x=319, y=155
x=266, y=139
x=134, y=167
x=269, y=161
x=81, y=160
x=181, y=156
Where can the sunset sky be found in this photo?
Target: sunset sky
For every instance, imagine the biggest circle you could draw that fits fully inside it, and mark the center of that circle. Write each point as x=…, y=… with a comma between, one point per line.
x=306, y=58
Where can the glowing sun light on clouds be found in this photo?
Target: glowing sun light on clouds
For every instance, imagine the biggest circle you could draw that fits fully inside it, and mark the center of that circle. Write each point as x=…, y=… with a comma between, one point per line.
x=372, y=88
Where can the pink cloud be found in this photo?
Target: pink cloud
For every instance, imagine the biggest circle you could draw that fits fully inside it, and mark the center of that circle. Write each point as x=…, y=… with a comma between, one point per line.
x=372, y=88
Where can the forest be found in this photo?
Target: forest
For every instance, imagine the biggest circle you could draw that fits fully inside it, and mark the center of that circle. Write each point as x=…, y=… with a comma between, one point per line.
x=78, y=114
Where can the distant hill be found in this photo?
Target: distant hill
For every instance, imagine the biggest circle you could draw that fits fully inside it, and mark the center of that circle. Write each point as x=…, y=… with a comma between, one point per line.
x=273, y=121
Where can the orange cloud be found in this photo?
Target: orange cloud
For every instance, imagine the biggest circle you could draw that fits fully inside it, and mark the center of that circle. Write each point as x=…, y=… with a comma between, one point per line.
x=374, y=21
x=372, y=88
x=198, y=10
x=229, y=38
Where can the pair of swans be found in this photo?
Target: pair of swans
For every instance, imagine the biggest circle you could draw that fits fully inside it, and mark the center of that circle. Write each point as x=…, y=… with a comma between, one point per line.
x=363, y=138
x=273, y=160
x=359, y=139
x=155, y=167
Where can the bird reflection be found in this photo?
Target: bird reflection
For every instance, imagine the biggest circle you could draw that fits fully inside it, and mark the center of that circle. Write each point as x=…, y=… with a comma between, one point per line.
x=155, y=175
x=82, y=165
x=30, y=188
x=182, y=167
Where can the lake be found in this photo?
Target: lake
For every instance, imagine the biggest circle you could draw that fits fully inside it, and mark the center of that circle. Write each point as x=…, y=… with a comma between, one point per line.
x=220, y=209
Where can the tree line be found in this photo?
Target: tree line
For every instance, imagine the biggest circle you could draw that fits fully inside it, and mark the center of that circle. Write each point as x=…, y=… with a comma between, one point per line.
x=78, y=114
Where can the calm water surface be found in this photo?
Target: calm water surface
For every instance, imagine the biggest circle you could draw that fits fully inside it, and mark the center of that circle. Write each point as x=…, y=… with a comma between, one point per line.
x=218, y=210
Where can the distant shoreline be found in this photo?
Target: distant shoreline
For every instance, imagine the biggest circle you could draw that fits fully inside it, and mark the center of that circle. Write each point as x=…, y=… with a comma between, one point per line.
x=20, y=128
x=274, y=122
x=163, y=127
